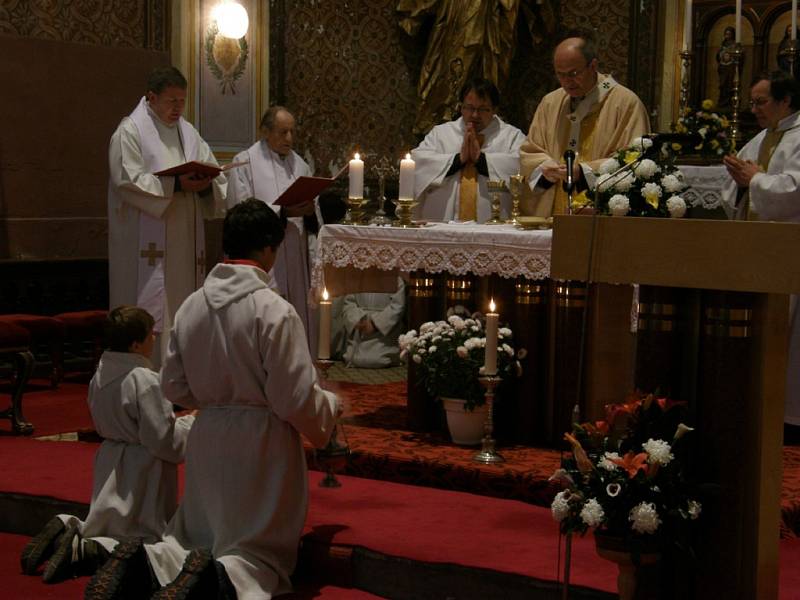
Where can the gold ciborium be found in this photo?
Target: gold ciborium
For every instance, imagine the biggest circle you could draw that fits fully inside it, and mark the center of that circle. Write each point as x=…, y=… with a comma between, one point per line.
x=355, y=211
x=405, y=208
x=515, y=182
x=496, y=187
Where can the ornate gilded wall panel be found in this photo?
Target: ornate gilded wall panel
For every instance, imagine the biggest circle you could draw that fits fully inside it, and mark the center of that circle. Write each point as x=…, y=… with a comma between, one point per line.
x=140, y=24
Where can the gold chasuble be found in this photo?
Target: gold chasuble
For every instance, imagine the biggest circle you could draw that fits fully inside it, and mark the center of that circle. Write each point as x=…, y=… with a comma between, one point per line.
x=765, y=151
x=468, y=191
x=609, y=117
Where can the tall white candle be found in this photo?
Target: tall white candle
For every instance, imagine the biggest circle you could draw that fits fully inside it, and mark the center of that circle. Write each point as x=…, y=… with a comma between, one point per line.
x=794, y=20
x=356, y=177
x=407, y=167
x=738, y=21
x=687, y=26
x=324, y=345
x=490, y=363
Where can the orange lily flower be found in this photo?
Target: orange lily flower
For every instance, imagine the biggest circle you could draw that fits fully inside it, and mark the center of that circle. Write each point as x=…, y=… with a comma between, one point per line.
x=632, y=463
x=584, y=464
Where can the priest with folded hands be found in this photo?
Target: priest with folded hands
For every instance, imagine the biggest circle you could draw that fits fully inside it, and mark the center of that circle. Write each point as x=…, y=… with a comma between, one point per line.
x=456, y=160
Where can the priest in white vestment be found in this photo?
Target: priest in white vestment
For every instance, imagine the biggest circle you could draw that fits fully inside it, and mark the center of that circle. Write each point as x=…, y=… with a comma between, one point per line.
x=272, y=166
x=238, y=353
x=590, y=114
x=373, y=323
x=767, y=172
x=156, y=243
x=456, y=159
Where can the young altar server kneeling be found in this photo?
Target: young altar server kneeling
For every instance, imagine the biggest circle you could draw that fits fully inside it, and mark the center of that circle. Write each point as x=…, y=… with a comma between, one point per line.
x=135, y=489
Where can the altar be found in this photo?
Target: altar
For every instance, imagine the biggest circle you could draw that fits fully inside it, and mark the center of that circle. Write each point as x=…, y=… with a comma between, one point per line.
x=469, y=264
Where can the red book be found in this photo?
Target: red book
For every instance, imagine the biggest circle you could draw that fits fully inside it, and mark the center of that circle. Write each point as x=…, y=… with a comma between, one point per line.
x=305, y=188
x=198, y=168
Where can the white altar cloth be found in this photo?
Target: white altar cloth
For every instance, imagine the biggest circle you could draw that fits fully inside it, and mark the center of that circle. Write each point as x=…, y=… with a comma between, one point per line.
x=710, y=187
x=368, y=258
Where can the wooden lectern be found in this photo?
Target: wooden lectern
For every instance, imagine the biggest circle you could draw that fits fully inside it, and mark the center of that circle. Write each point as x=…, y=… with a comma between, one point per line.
x=739, y=366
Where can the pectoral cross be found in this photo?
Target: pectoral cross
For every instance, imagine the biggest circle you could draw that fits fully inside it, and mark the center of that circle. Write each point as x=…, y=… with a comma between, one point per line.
x=151, y=254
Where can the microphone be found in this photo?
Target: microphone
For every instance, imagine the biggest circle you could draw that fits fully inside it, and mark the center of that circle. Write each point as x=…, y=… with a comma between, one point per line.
x=569, y=159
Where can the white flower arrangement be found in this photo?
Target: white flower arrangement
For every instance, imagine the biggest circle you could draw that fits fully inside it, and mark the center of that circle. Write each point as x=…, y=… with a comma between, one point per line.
x=651, y=180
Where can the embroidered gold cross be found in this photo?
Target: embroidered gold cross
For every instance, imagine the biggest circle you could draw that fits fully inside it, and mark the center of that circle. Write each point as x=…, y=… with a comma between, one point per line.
x=151, y=254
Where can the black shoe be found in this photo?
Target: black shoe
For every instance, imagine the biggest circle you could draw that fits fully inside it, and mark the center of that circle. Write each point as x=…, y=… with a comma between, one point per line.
x=201, y=578
x=39, y=549
x=92, y=557
x=125, y=575
x=59, y=567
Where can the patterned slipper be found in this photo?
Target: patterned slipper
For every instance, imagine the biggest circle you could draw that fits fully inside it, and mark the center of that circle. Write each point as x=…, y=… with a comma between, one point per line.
x=59, y=567
x=39, y=549
x=196, y=581
x=125, y=575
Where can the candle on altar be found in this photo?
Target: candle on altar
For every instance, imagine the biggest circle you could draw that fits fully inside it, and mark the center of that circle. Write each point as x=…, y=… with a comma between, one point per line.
x=490, y=362
x=356, y=177
x=407, y=167
x=687, y=26
x=324, y=346
x=794, y=20
x=738, y=21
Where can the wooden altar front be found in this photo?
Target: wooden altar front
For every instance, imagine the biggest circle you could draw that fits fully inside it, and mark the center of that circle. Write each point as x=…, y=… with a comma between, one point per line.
x=716, y=329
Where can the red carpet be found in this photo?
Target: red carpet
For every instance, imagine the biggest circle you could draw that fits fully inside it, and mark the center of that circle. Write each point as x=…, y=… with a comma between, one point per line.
x=51, y=411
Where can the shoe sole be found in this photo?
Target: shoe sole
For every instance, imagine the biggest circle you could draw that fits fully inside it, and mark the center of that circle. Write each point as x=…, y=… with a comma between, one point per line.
x=107, y=582
x=184, y=585
x=41, y=546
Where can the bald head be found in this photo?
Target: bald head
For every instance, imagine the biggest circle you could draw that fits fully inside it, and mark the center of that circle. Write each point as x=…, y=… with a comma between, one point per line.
x=575, y=64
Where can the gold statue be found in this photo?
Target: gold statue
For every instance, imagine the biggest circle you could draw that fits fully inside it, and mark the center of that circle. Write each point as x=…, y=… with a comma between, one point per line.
x=469, y=38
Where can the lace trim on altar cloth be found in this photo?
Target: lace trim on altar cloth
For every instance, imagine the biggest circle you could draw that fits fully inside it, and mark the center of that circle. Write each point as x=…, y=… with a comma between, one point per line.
x=457, y=249
x=709, y=187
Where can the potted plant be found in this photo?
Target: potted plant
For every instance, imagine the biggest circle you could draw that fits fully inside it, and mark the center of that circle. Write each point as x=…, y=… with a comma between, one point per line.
x=626, y=480
x=710, y=131
x=451, y=355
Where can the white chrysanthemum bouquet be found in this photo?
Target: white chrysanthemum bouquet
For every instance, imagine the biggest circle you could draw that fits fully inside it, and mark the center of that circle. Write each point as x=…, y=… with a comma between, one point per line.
x=626, y=475
x=451, y=355
x=651, y=188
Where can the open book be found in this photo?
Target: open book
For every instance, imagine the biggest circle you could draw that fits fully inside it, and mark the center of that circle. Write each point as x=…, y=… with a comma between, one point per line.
x=305, y=189
x=201, y=169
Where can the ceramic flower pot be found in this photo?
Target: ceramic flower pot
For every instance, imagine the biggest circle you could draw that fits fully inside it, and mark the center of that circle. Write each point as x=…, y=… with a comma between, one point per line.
x=465, y=426
x=618, y=550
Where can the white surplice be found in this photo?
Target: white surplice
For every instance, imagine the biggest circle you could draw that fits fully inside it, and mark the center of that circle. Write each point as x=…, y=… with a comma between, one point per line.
x=437, y=193
x=387, y=313
x=145, y=211
x=237, y=351
x=775, y=196
x=135, y=479
x=266, y=176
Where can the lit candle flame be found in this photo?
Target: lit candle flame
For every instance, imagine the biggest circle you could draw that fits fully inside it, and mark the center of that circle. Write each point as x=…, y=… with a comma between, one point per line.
x=408, y=157
x=491, y=305
x=357, y=156
x=325, y=291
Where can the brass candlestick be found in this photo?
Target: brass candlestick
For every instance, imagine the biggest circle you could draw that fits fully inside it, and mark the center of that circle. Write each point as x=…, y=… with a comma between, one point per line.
x=515, y=183
x=686, y=70
x=355, y=211
x=333, y=457
x=487, y=454
x=737, y=61
x=405, y=209
x=496, y=187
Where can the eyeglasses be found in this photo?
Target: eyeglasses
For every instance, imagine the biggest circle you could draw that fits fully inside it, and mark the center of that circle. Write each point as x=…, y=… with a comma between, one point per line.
x=574, y=74
x=481, y=110
x=758, y=102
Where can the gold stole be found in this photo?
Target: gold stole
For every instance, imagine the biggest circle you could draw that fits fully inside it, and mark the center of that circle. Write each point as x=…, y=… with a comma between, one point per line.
x=468, y=191
x=588, y=127
x=765, y=151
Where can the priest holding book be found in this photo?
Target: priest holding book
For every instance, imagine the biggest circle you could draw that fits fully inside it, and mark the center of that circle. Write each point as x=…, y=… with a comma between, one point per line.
x=272, y=166
x=156, y=244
